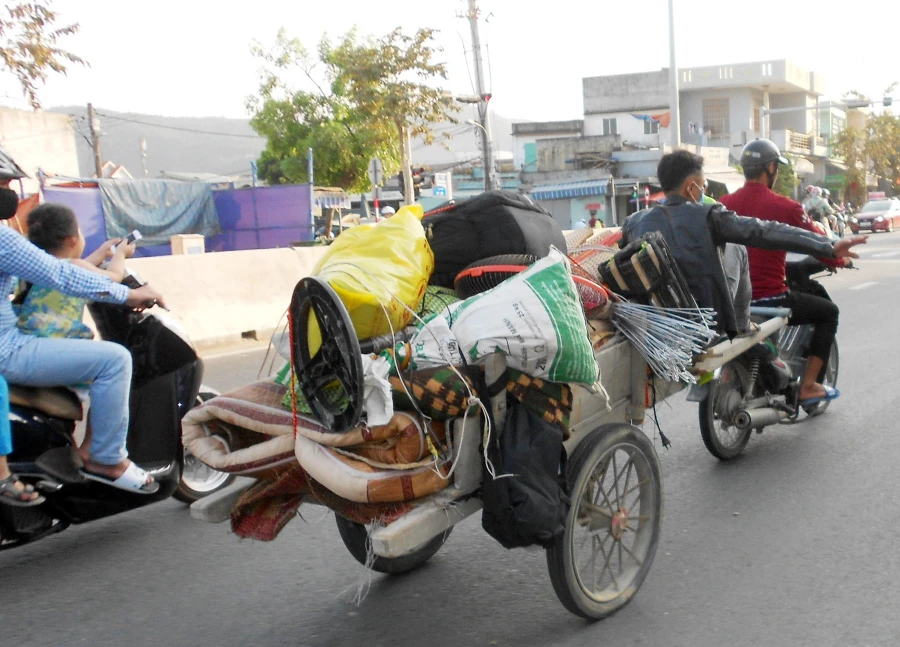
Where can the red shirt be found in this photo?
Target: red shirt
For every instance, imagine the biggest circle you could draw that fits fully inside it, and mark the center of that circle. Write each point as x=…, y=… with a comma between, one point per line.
x=767, y=266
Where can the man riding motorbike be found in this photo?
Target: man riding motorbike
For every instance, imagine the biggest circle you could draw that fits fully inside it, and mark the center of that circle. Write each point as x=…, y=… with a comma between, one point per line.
x=760, y=160
x=696, y=235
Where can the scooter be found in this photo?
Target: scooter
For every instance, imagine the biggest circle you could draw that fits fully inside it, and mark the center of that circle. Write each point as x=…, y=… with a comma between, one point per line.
x=166, y=383
x=761, y=387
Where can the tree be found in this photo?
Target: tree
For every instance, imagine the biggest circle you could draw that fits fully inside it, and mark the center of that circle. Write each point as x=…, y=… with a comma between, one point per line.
x=28, y=45
x=850, y=144
x=365, y=98
x=387, y=79
x=293, y=121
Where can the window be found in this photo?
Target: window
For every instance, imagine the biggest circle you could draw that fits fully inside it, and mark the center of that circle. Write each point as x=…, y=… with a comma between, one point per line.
x=651, y=127
x=611, y=126
x=754, y=116
x=837, y=125
x=715, y=118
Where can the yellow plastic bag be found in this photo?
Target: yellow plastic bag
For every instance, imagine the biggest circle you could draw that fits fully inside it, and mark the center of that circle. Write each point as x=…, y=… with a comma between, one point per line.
x=376, y=270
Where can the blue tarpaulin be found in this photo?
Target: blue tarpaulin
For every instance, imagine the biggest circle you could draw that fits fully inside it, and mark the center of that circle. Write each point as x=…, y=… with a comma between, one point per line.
x=158, y=208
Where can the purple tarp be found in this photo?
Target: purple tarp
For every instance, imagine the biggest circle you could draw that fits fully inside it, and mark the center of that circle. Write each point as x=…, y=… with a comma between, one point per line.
x=260, y=218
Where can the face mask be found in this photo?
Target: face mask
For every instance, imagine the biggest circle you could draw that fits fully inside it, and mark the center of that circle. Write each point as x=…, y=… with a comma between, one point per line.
x=700, y=197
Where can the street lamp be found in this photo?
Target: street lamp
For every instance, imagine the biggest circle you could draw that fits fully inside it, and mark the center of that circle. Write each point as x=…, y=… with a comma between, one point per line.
x=488, y=160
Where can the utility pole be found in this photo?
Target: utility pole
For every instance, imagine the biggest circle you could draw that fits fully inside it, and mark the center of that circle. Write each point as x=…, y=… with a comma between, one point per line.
x=486, y=152
x=675, y=119
x=95, y=140
x=144, y=155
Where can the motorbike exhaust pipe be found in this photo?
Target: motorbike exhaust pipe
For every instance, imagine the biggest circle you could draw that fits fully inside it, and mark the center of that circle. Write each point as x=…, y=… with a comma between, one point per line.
x=755, y=418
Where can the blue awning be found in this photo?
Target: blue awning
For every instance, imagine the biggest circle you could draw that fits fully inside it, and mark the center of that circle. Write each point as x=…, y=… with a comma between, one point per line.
x=569, y=190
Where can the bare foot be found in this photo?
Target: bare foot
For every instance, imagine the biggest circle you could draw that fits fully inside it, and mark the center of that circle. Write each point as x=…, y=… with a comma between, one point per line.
x=814, y=390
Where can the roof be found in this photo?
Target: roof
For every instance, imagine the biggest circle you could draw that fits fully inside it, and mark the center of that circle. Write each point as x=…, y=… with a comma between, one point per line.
x=570, y=190
x=331, y=199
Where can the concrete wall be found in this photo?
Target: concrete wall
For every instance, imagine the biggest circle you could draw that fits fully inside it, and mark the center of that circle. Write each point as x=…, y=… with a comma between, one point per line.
x=219, y=296
x=799, y=121
x=626, y=92
x=44, y=140
x=519, y=142
x=558, y=154
x=631, y=130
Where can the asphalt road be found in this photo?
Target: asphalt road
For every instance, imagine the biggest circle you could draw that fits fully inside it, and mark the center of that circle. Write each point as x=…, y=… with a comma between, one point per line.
x=793, y=544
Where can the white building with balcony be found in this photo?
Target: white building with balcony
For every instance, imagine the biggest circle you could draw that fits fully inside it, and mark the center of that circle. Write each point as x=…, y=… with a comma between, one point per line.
x=722, y=106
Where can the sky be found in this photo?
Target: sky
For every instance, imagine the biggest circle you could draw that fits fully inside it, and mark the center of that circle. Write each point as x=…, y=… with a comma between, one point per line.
x=192, y=57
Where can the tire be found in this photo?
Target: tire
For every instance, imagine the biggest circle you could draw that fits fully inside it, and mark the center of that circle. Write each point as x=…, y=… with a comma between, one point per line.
x=830, y=378
x=726, y=393
x=198, y=480
x=589, y=462
x=356, y=539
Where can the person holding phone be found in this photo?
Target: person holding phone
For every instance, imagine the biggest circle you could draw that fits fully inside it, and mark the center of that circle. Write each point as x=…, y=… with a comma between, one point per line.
x=41, y=361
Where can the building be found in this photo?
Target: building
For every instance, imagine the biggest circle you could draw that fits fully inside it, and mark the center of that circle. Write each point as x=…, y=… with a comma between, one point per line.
x=39, y=140
x=723, y=106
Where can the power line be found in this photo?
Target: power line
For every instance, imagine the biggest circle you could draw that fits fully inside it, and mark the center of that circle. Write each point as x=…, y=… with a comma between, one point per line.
x=179, y=128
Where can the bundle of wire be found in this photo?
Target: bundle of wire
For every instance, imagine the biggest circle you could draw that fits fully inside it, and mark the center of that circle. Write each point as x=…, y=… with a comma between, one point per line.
x=667, y=338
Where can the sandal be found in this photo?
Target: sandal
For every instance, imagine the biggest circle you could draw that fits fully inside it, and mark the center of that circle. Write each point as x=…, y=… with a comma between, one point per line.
x=11, y=495
x=134, y=479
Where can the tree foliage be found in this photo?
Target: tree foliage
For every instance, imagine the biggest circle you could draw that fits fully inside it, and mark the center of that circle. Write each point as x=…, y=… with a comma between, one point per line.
x=29, y=45
x=365, y=98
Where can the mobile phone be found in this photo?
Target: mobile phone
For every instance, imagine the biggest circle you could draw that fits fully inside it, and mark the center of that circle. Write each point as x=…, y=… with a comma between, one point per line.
x=133, y=237
x=129, y=240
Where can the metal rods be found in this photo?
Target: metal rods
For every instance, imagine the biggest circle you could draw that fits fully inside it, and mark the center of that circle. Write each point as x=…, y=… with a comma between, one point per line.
x=667, y=338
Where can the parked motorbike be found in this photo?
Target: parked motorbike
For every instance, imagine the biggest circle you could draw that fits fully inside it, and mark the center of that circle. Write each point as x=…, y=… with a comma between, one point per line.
x=166, y=383
x=761, y=387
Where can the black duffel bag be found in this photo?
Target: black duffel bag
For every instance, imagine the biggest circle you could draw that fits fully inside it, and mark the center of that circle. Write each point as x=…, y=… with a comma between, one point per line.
x=489, y=224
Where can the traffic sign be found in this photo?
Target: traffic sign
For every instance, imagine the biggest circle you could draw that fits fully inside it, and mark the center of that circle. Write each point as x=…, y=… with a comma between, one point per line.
x=376, y=172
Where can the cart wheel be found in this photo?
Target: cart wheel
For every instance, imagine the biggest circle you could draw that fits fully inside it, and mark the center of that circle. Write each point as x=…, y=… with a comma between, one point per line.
x=356, y=539
x=332, y=379
x=612, y=529
x=829, y=378
x=726, y=394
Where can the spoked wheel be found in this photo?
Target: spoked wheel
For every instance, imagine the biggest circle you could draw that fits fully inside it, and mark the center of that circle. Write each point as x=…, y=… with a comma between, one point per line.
x=199, y=480
x=330, y=377
x=726, y=395
x=612, y=529
x=356, y=539
x=829, y=378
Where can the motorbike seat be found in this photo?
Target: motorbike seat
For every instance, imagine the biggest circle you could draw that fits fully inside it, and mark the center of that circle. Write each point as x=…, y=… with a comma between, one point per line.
x=55, y=401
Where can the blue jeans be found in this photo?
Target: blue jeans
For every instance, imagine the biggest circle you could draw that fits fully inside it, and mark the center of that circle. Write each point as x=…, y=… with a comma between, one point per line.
x=106, y=366
x=5, y=434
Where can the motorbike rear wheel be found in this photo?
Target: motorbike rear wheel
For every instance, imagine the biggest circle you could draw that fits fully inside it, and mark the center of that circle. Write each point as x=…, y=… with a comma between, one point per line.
x=726, y=395
x=612, y=531
x=199, y=480
x=356, y=538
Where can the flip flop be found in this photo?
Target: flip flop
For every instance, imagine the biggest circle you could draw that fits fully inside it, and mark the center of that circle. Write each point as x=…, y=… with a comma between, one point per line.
x=134, y=479
x=10, y=495
x=830, y=394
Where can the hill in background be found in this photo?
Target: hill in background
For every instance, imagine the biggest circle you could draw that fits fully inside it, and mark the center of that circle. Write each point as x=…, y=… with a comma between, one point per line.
x=227, y=146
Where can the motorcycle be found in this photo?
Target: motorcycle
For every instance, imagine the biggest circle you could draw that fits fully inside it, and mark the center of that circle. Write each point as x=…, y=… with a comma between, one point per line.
x=761, y=387
x=166, y=383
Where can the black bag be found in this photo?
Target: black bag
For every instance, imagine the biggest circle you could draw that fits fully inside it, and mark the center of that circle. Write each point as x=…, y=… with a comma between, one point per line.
x=490, y=224
x=529, y=504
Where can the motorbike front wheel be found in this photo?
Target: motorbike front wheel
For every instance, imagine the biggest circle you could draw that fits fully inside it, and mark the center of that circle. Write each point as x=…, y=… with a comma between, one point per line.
x=197, y=479
x=726, y=396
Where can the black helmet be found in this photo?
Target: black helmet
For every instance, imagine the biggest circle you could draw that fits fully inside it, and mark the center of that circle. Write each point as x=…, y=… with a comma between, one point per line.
x=760, y=153
x=9, y=170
